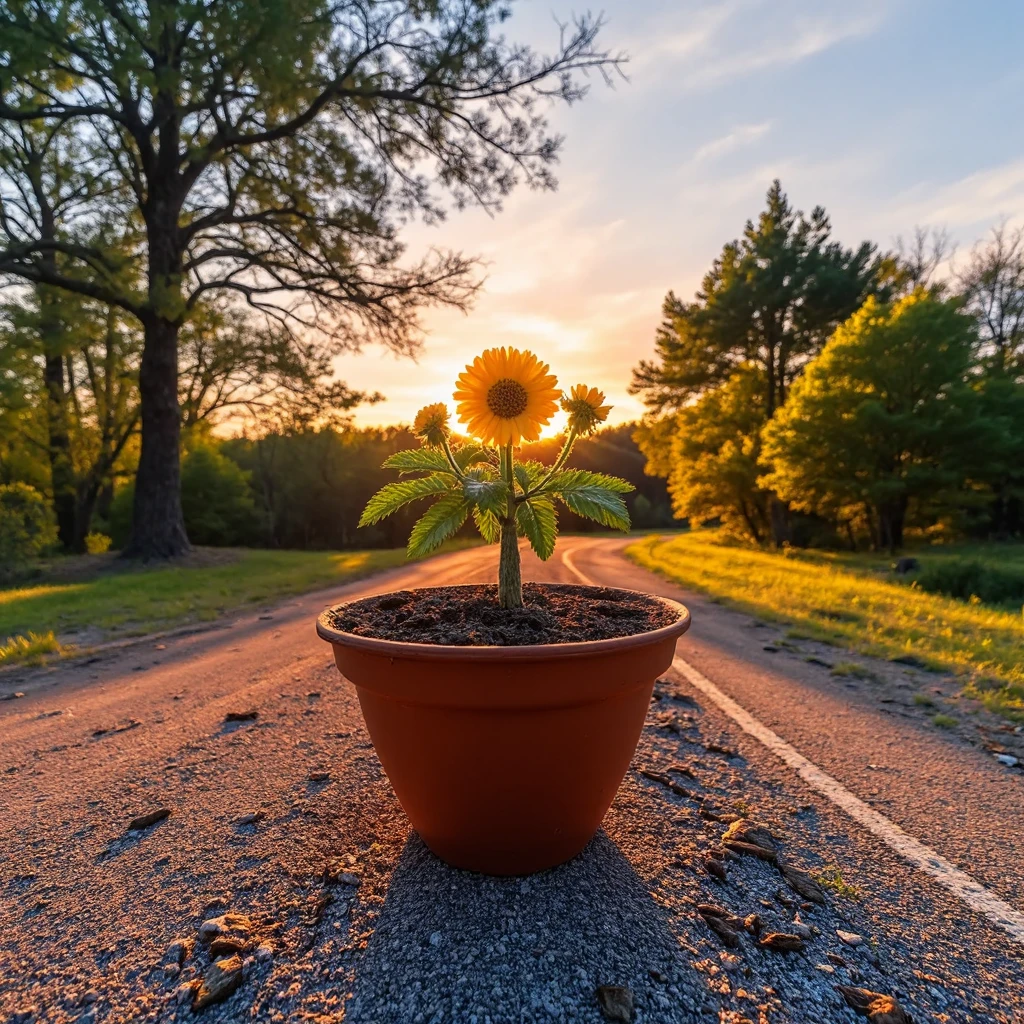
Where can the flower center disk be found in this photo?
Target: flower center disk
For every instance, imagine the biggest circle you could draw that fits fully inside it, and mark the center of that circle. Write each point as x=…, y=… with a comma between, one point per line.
x=507, y=398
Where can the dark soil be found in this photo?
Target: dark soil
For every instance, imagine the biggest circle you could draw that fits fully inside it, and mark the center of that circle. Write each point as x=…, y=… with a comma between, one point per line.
x=471, y=617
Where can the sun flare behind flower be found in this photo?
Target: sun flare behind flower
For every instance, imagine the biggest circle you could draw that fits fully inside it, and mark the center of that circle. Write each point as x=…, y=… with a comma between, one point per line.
x=506, y=396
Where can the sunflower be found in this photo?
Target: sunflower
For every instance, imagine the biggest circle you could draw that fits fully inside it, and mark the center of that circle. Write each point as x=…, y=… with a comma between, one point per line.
x=585, y=408
x=431, y=423
x=505, y=396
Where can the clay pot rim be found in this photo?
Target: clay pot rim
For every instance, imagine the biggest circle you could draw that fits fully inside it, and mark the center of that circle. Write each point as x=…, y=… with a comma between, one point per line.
x=524, y=652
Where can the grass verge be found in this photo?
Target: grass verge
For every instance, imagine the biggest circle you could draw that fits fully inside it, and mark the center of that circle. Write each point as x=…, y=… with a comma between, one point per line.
x=848, y=600
x=134, y=602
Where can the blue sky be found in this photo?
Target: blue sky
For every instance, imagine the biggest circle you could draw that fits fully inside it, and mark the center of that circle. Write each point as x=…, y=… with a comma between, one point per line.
x=890, y=114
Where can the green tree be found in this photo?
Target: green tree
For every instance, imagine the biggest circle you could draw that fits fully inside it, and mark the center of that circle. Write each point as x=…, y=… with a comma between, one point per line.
x=709, y=452
x=26, y=527
x=885, y=416
x=769, y=301
x=268, y=149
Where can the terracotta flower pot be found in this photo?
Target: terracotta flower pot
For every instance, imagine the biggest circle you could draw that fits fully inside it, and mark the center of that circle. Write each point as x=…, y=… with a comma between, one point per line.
x=506, y=758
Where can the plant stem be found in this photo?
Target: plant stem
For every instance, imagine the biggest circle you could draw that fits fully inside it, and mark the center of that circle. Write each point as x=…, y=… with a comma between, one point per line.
x=558, y=464
x=510, y=575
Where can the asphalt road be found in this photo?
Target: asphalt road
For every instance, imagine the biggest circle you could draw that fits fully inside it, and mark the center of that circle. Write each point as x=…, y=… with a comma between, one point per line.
x=90, y=909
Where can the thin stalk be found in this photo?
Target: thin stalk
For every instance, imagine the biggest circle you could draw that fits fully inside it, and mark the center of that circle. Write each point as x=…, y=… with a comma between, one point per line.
x=451, y=459
x=510, y=574
x=563, y=455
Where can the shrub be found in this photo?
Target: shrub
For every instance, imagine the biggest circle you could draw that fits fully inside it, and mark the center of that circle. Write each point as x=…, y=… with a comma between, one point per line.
x=217, y=500
x=97, y=543
x=965, y=578
x=26, y=527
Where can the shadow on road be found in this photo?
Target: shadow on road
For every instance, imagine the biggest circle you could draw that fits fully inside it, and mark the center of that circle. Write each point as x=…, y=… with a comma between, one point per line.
x=455, y=946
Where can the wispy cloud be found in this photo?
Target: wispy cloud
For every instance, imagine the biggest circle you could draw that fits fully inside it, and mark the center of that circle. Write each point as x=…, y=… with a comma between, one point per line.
x=724, y=41
x=741, y=135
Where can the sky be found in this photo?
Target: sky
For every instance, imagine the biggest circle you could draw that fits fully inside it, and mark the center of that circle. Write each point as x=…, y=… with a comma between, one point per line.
x=890, y=114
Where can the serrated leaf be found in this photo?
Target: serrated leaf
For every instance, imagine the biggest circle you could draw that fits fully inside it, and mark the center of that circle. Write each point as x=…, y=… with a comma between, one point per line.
x=470, y=455
x=489, y=495
x=582, y=479
x=528, y=473
x=391, y=497
x=488, y=525
x=538, y=522
x=437, y=524
x=412, y=459
x=596, y=503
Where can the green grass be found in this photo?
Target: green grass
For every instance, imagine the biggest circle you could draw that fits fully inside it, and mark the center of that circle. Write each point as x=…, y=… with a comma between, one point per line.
x=135, y=602
x=854, y=602
x=854, y=670
x=945, y=721
x=29, y=650
x=922, y=700
x=831, y=877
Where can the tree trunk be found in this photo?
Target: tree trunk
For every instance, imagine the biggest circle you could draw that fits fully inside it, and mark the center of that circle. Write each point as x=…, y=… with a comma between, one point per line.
x=58, y=432
x=158, y=525
x=891, y=516
x=778, y=511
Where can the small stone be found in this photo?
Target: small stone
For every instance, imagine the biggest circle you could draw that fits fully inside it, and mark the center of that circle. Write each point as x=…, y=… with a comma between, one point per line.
x=319, y=776
x=730, y=962
x=90, y=997
x=752, y=923
x=172, y=970
x=241, y=716
x=835, y=958
x=658, y=976
x=264, y=952
x=715, y=868
x=347, y=878
x=802, y=883
x=220, y=979
x=185, y=992
x=725, y=925
x=179, y=951
x=435, y=939
x=616, y=1002
x=143, y=821
x=782, y=942
x=1007, y=759
x=252, y=818
x=745, y=836
x=877, y=1007
x=825, y=968
x=799, y=928
x=14, y=695
x=850, y=938
x=227, y=935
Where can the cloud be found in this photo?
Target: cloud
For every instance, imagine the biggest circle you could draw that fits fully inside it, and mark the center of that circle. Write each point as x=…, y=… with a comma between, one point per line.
x=982, y=197
x=741, y=135
x=739, y=38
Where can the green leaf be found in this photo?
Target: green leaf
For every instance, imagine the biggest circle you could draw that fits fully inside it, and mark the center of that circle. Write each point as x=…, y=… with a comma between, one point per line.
x=488, y=525
x=391, y=497
x=538, y=522
x=412, y=459
x=488, y=495
x=437, y=524
x=470, y=455
x=577, y=479
x=528, y=473
x=592, y=495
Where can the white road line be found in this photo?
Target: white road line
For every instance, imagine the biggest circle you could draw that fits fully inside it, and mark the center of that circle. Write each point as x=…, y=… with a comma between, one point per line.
x=922, y=857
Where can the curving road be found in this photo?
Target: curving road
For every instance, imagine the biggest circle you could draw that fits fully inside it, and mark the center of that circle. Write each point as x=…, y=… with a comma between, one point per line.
x=919, y=832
